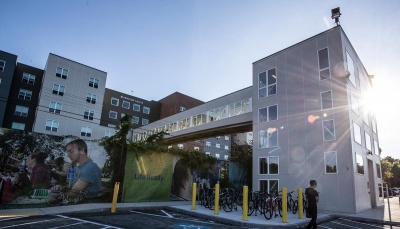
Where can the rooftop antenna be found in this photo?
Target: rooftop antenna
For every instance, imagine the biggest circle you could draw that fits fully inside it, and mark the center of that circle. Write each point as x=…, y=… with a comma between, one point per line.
x=336, y=14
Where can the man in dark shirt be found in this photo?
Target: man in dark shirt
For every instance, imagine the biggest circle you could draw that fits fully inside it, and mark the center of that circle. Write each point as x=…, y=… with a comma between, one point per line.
x=312, y=198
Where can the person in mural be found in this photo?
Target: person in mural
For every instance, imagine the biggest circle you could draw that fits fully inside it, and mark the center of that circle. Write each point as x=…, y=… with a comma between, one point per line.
x=312, y=198
x=87, y=175
x=61, y=170
x=40, y=175
x=181, y=181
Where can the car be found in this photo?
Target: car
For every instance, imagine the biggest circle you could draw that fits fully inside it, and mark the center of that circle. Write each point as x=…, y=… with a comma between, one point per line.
x=396, y=191
x=385, y=192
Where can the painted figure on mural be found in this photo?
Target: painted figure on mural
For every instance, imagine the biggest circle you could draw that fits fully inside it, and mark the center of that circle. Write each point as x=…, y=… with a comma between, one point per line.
x=181, y=181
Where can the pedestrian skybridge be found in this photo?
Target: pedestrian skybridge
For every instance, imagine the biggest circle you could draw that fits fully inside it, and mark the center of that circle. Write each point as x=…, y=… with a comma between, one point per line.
x=226, y=115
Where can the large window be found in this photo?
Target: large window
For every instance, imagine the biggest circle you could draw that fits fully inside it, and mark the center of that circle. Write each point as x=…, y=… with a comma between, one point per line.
x=328, y=130
x=368, y=142
x=145, y=121
x=269, y=186
x=269, y=138
x=136, y=107
x=267, y=83
x=113, y=115
x=354, y=103
x=366, y=116
x=378, y=170
x=52, y=125
x=58, y=89
x=269, y=165
x=93, y=82
x=17, y=126
x=268, y=114
x=330, y=162
x=135, y=120
x=109, y=133
x=28, y=78
x=373, y=125
x=21, y=111
x=350, y=68
x=357, y=133
x=90, y=98
x=323, y=62
x=86, y=131
x=88, y=114
x=360, y=163
x=61, y=72
x=114, y=101
x=55, y=107
x=2, y=65
x=146, y=110
x=376, y=148
x=326, y=99
x=208, y=144
x=25, y=94
x=126, y=104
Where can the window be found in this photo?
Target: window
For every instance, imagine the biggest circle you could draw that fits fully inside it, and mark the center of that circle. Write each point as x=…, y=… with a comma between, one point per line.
x=350, y=69
x=109, y=133
x=93, y=82
x=323, y=62
x=182, y=108
x=354, y=104
x=218, y=137
x=2, y=65
x=378, y=170
x=268, y=139
x=25, y=94
x=113, y=114
x=269, y=165
x=21, y=111
x=268, y=114
x=180, y=146
x=114, y=101
x=217, y=155
x=55, y=107
x=90, y=98
x=196, y=148
x=122, y=115
x=226, y=157
x=136, y=107
x=208, y=144
x=269, y=186
x=330, y=162
x=226, y=148
x=376, y=148
x=58, y=89
x=61, y=72
x=357, y=133
x=217, y=145
x=226, y=138
x=328, y=130
x=112, y=126
x=28, y=78
x=360, y=164
x=208, y=153
x=126, y=104
x=267, y=84
x=88, y=114
x=86, y=131
x=373, y=125
x=326, y=100
x=18, y=126
x=366, y=116
x=145, y=121
x=368, y=142
x=135, y=120
x=146, y=110
x=52, y=125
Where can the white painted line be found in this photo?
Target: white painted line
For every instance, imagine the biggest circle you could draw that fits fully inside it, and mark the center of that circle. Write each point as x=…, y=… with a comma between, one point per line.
x=30, y=223
x=191, y=220
x=345, y=225
x=67, y=225
x=169, y=215
x=85, y=221
x=371, y=225
x=17, y=217
x=324, y=227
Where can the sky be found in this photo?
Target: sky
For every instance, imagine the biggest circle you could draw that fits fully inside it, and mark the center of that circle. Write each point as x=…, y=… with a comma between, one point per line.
x=202, y=48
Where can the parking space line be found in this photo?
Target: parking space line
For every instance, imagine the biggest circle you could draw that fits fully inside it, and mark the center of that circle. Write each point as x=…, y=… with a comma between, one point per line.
x=169, y=215
x=29, y=223
x=86, y=221
x=371, y=225
x=324, y=226
x=11, y=218
x=191, y=220
x=345, y=225
x=67, y=225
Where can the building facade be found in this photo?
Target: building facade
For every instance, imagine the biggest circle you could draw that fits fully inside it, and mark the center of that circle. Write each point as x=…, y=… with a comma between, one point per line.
x=8, y=62
x=308, y=123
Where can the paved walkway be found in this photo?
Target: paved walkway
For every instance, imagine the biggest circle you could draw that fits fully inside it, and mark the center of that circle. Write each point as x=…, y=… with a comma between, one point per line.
x=377, y=215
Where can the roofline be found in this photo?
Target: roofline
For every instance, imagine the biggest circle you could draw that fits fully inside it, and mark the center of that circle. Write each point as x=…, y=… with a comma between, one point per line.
x=77, y=62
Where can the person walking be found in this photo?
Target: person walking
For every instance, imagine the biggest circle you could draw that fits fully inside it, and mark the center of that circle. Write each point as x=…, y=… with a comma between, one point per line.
x=312, y=198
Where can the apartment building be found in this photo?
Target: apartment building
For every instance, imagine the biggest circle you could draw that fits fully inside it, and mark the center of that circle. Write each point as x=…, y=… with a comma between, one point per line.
x=8, y=62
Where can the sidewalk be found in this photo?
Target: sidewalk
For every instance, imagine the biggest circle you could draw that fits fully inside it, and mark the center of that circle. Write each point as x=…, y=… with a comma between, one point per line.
x=376, y=215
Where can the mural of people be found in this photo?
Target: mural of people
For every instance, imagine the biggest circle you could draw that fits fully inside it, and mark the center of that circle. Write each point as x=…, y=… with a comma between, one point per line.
x=181, y=186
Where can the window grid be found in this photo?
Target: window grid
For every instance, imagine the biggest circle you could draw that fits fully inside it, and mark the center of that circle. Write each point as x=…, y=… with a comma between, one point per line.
x=136, y=107
x=269, y=138
x=52, y=125
x=146, y=110
x=28, y=78
x=329, y=130
x=58, y=89
x=55, y=107
x=18, y=126
x=88, y=114
x=330, y=162
x=21, y=111
x=126, y=104
x=114, y=101
x=323, y=63
x=25, y=94
x=269, y=165
x=86, y=131
x=268, y=114
x=62, y=73
x=113, y=114
x=145, y=121
x=135, y=120
x=326, y=100
x=93, y=82
x=90, y=98
x=267, y=83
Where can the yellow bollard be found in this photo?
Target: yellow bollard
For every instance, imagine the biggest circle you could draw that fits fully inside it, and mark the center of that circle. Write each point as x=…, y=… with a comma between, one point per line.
x=300, y=202
x=245, y=202
x=284, y=205
x=115, y=197
x=216, y=200
x=194, y=196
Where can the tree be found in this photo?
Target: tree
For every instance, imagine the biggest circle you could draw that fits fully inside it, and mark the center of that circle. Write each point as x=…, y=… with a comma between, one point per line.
x=391, y=171
x=244, y=156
